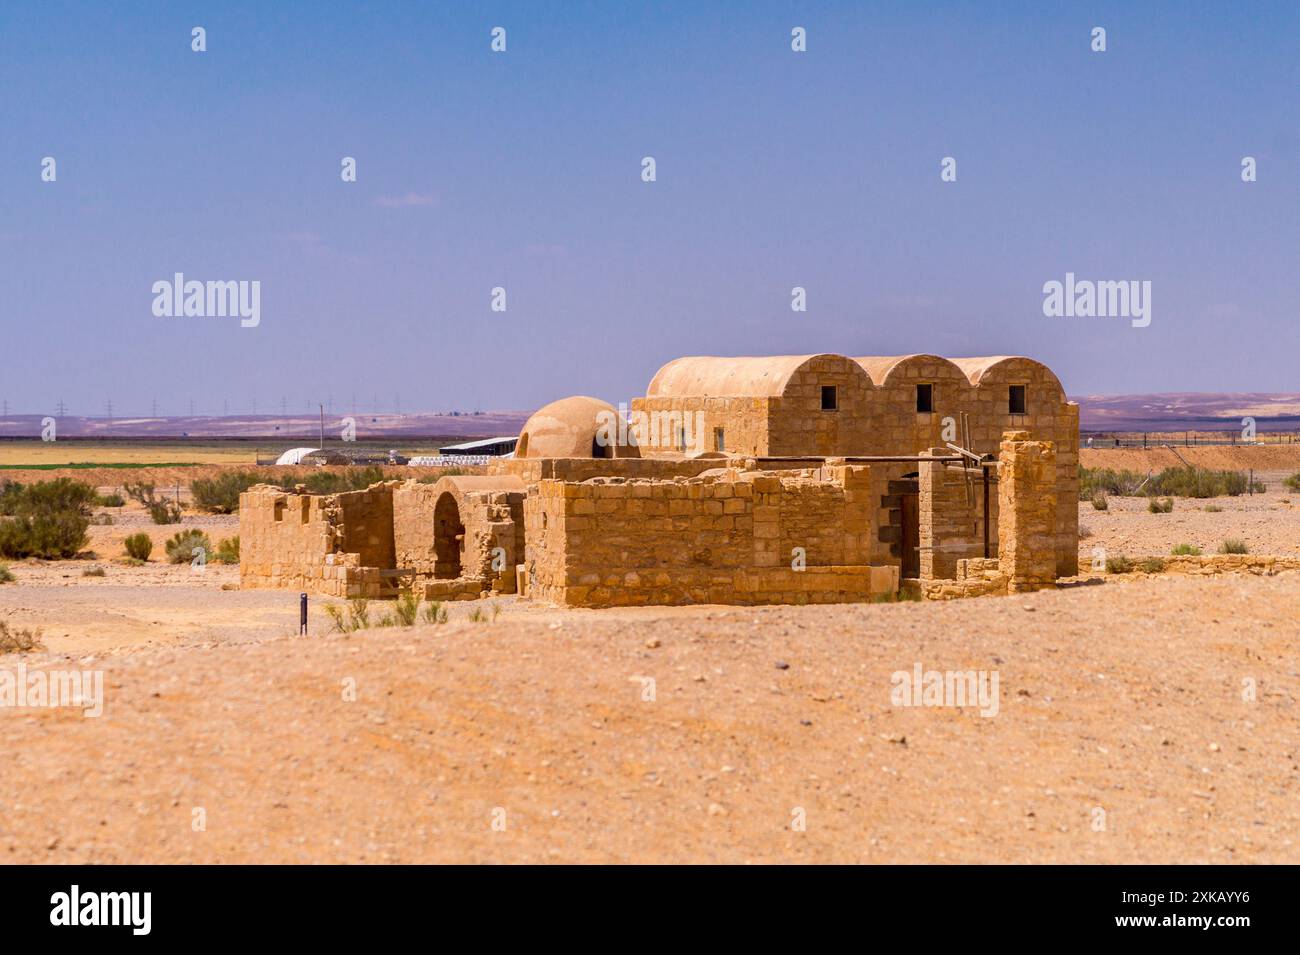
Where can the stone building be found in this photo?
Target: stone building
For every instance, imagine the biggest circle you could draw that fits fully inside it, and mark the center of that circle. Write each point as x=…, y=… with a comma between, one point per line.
x=794, y=479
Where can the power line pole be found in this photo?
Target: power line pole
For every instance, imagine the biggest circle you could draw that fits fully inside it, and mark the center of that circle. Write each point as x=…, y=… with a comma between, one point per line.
x=61, y=409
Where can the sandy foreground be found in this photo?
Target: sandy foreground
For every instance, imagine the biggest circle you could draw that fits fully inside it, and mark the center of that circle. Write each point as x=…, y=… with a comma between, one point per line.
x=1125, y=730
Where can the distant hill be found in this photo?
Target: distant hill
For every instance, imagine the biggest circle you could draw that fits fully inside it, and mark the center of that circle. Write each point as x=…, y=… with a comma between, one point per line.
x=369, y=427
x=1188, y=411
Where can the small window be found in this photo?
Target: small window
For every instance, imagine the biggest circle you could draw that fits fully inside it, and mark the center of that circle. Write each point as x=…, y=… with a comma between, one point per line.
x=924, y=399
x=306, y=510
x=681, y=439
x=830, y=400
x=719, y=440
x=279, y=510
x=1018, y=401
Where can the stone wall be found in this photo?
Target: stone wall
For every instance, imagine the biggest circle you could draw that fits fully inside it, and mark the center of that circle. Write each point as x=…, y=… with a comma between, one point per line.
x=951, y=507
x=715, y=539
x=1027, y=499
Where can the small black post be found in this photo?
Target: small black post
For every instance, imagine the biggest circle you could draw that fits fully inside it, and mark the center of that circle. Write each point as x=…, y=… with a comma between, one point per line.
x=302, y=614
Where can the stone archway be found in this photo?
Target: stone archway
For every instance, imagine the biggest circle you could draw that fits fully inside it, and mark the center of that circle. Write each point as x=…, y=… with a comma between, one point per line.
x=448, y=537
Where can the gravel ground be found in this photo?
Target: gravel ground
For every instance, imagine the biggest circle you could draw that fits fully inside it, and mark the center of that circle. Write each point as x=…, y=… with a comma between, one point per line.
x=1124, y=697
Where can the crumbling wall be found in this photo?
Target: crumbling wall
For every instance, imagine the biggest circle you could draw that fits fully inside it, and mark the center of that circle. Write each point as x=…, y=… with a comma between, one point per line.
x=1027, y=500
x=951, y=517
x=607, y=542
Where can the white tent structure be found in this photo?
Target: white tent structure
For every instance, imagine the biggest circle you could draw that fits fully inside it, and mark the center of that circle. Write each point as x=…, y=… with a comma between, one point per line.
x=294, y=455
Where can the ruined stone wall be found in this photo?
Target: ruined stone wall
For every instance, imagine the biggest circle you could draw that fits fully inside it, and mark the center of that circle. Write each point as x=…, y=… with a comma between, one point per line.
x=1027, y=498
x=951, y=512
x=491, y=512
x=334, y=544
x=610, y=542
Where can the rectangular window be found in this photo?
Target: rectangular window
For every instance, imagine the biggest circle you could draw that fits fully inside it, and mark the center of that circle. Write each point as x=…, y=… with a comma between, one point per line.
x=829, y=398
x=1018, y=400
x=681, y=439
x=279, y=510
x=924, y=399
x=719, y=440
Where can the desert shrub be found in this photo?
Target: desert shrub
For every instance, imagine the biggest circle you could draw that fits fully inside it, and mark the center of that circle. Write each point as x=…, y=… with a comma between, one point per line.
x=161, y=510
x=220, y=495
x=19, y=641
x=1152, y=565
x=407, y=609
x=1158, y=505
x=228, y=551
x=10, y=494
x=49, y=519
x=477, y=616
x=335, y=613
x=94, y=572
x=1099, y=501
x=435, y=612
x=1212, y=509
x=110, y=500
x=1084, y=532
x=1233, y=545
x=1107, y=481
x=1201, y=483
x=6, y=575
x=358, y=613
x=1185, y=550
x=102, y=520
x=330, y=482
x=138, y=546
x=1292, y=483
x=1119, y=565
x=184, y=545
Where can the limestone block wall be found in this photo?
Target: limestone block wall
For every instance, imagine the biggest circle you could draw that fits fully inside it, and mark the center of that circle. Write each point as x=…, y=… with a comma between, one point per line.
x=610, y=542
x=798, y=424
x=743, y=421
x=334, y=544
x=951, y=517
x=1027, y=499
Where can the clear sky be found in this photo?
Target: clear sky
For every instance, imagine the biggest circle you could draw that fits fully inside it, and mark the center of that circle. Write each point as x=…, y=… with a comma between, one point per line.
x=522, y=170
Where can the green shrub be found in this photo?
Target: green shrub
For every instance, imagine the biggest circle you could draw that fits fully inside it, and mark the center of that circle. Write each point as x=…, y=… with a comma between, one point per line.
x=1158, y=505
x=1107, y=481
x=220, y=495
x=1212, y=509
x=358, y=613
x=1119, y=565
x=110, y=500
x=94, y=572
x=1292, y=483
x=1099, y=501
x=138, y=546
x=228, y=551
x=6, y=575
x=1152, y=565
x=161, y=510
x=435, y=612
x=184, y=545
x=1233, y=545
x=1171, y=482
x=407, y=609
x=331, y=482
x=19, y=641
x=11, y=493
x=49, y=519
x=1185, y=550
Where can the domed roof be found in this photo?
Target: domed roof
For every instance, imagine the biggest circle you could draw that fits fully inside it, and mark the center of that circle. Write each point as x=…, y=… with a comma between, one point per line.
x=569, y=428
x=739, y=377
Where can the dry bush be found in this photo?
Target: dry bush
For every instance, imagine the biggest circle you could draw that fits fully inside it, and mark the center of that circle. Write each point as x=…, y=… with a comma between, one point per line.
x=19, y=641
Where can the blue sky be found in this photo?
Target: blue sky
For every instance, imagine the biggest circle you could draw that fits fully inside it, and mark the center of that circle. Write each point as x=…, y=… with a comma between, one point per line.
x=522, y=170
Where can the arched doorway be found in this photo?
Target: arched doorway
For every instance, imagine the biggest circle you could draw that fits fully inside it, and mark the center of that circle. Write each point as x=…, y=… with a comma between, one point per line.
x=448, y=536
